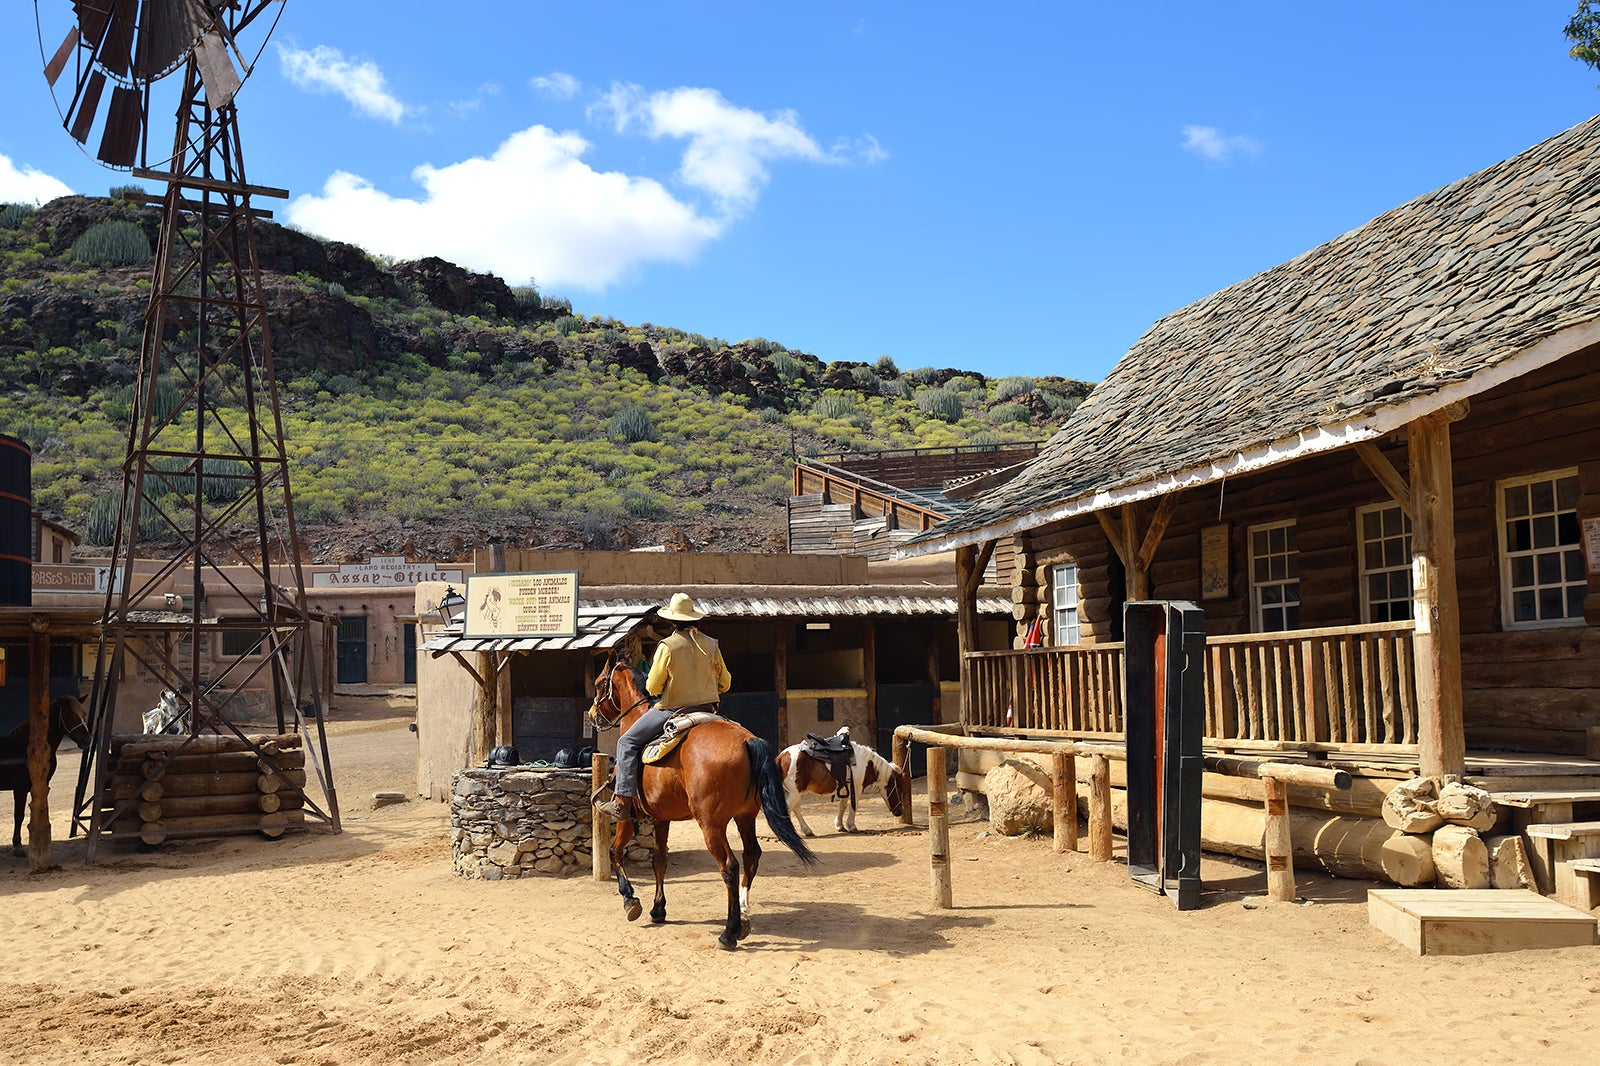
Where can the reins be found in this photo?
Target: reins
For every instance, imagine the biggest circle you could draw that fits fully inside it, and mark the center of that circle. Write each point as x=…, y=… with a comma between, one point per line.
x=610, y=697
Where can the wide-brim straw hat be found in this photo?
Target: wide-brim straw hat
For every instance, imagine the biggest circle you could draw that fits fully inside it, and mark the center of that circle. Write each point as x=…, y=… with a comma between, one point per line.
x=682, y=608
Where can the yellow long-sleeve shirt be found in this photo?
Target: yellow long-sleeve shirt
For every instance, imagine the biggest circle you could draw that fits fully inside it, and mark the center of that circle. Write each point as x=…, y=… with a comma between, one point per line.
x=687, y=670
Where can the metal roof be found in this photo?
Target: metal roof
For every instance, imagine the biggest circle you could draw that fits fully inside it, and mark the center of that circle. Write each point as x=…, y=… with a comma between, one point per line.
x=607, y=616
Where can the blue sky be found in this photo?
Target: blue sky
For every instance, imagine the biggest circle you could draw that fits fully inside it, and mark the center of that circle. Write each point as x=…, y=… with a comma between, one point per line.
x=1021, y=190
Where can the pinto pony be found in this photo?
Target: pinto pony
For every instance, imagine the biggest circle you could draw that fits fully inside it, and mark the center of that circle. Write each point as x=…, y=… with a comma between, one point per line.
x=66, y=719
x=719, y=772
x=802, y=773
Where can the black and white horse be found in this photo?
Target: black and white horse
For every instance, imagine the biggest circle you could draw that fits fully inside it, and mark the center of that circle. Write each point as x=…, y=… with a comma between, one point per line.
x=802, y=774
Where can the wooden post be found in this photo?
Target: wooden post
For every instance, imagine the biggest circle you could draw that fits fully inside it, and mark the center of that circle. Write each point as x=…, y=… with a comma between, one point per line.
x=504, y=723
x=938, y=830
x=902, y=761
x=39, y=751
x=600, y=844
x=930, y=629
x=1442, y=750
x=487, y=720
x=1100, y=809
x=780, y=677
x=869, y=676
x=967, y=579
x=1279, y=852
x=1064, y=799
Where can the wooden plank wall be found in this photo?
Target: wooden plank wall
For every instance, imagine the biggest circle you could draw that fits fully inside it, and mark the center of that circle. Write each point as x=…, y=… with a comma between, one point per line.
x=931, y=469
x=1531, y=690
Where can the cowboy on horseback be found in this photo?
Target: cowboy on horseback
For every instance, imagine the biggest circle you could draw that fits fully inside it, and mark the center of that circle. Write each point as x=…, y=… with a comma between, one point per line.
x=687, y=674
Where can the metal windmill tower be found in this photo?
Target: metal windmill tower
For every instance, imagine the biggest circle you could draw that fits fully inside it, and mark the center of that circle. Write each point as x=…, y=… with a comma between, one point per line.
x=206, y=463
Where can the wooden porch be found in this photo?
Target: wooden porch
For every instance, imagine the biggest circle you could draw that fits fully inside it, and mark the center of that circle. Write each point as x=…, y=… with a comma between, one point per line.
x=1342, y=695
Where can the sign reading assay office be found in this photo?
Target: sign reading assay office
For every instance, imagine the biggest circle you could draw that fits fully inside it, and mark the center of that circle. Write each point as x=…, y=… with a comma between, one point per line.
x=543, y=604
x=383, y=571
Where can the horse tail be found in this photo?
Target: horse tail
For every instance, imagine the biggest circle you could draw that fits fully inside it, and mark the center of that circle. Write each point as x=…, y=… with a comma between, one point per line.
x=769, y=782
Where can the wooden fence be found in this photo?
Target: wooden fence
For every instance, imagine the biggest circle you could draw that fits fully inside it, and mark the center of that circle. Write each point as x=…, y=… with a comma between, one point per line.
x=1339, y=687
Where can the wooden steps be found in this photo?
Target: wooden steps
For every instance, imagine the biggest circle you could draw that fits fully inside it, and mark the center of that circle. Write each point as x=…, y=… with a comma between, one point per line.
x=1567, y=849
x=1445, y=921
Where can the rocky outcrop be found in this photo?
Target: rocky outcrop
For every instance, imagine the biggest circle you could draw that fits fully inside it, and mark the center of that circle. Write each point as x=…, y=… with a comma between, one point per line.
x=456, y=289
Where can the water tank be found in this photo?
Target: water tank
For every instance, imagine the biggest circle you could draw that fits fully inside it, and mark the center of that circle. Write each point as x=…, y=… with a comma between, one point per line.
x=16, y=523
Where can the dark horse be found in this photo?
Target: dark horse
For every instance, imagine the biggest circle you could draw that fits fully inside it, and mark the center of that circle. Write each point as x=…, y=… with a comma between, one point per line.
x=720, y=772
x=66, y=720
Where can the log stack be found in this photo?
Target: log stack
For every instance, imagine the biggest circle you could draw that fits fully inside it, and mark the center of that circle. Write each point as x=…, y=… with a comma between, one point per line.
x=209, y=786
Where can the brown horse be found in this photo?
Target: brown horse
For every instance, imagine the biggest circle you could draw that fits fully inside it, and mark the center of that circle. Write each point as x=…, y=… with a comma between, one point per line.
x=720, y=772
x=66, y=720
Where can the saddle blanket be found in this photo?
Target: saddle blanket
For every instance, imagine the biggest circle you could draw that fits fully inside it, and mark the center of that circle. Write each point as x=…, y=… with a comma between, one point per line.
x=672, y=735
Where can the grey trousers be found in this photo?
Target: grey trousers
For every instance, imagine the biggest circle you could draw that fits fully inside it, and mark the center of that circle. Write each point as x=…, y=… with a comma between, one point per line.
x=630, y=750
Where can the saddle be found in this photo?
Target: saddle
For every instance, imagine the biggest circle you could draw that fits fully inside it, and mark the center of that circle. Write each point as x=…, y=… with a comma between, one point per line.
x=676, y=729
x=839, y=756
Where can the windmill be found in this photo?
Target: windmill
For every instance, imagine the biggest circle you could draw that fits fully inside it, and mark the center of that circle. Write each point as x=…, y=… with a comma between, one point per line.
x=209, y=469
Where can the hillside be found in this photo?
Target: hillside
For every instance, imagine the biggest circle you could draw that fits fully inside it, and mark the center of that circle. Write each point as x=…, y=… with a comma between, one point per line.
x=431, y=410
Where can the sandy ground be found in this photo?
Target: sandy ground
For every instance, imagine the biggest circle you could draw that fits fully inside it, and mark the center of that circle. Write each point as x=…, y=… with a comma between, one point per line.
x=362, y=947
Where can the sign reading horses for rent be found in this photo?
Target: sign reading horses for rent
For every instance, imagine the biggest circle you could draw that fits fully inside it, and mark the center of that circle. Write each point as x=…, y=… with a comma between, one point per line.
x=543, y=604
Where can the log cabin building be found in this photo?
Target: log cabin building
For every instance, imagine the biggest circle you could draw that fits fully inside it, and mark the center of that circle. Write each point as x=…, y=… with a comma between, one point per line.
x=1376, y=467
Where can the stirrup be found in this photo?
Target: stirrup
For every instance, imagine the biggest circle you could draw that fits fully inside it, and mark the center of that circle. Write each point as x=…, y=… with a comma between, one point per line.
x=617, y=808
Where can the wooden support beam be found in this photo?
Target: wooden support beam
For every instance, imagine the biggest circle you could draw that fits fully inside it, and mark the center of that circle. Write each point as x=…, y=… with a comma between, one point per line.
x=1387, y=475
x=901, y=756
x=1276, y=842
x=1437, y=615
x=1157, y=530
x=939, y=830
x=966, y=619
x=39, y=753
x=780, y=677
x=1064, y=800
x=600, y=826
x=869, y=674
x=1100, y=809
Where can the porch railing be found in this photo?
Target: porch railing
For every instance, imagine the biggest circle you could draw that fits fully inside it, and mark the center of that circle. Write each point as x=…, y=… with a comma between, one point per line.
x=1341, y=686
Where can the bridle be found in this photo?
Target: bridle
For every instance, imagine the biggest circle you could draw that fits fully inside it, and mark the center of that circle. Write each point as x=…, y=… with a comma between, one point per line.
x=605, y=692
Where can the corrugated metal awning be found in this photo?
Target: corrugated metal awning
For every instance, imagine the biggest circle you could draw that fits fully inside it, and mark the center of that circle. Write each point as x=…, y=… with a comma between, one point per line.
x=611, y=614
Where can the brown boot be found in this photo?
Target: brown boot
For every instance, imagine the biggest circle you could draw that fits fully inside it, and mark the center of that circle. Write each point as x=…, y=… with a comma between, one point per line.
x=617, y=808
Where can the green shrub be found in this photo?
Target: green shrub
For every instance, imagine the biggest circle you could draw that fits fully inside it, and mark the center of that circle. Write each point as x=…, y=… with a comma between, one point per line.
x=127, y=192
x=14, y=215
x=631, y=424
x=771, y=414
x=864, y=377
x=557, y=303
x=102, y=525
x=985, y=439
x=886, y=368
x=120, y=407
x=922, y=375
x=895, y=389
x=335, y=290
x=567, y=325
x=834, y=405
x=1009, y=412
x=1006, y=388
x=114, y=242
x=940, y=403
x=643, y=504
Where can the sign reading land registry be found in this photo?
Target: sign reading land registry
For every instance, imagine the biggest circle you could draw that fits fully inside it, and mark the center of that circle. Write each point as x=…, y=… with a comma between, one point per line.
x=384, y=571
x=541, y=604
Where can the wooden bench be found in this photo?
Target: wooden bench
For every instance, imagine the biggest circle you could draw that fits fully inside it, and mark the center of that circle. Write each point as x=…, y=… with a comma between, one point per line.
x=1540, y=808
x=1574, y=856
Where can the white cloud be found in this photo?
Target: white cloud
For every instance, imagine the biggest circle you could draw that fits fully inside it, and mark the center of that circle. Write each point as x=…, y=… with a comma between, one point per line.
x=25, y=185
x=729, y=147
x=556, y=85
x=1208, y=142
x=324, y=69
x=532, y=209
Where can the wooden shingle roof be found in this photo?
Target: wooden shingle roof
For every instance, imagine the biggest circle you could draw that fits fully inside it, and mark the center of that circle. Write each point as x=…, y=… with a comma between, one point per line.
x=1433, y=302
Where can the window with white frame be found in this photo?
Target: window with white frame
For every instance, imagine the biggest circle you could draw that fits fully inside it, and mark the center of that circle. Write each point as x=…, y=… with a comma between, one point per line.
x=1385, y=563
x=1274, y=577
x=1542, y=577
x=1064, y=605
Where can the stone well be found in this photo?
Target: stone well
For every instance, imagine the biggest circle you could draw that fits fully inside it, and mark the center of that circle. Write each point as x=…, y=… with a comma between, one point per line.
x=507, y=822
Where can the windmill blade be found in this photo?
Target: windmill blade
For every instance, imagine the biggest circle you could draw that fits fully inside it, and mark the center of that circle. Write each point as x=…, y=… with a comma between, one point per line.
x=93, y=17
x=58, y=62
x=166, y=34
x=82, y=118
x=119, y=145
x=115, y=53
x=216, y=70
